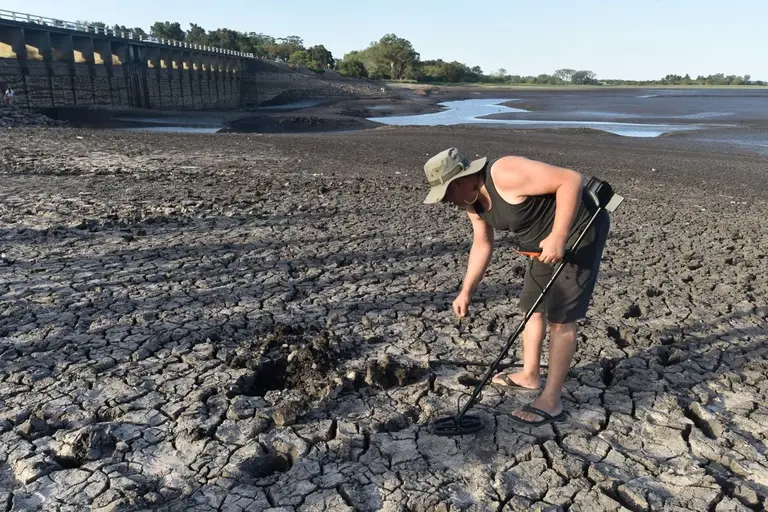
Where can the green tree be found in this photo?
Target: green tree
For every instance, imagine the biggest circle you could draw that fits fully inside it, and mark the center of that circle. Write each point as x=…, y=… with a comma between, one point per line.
x=224, y=38
x=352, y=65
x=167, y=30
x=565, y=74
x=392, y=56
x=441, y=71
x=283, y=47
x=260, y=44
x=300, y=57
x=97, y=24
x=584, y=77
x=321, y=56
x=196, y=35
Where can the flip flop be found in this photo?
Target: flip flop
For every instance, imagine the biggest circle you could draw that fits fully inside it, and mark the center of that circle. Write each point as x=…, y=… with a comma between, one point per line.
x=547, y=418
x=509, y=383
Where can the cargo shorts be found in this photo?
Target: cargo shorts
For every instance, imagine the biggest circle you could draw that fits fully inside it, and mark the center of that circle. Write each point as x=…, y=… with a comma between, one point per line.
x=570, y=295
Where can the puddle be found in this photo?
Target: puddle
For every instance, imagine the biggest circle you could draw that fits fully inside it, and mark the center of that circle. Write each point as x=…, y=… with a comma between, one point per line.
x=704, y=115
x=474, y=111
x=623, y=129
x=458, y=112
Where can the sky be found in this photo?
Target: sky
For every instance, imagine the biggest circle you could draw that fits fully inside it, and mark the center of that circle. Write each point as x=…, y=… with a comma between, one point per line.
x=626, y=39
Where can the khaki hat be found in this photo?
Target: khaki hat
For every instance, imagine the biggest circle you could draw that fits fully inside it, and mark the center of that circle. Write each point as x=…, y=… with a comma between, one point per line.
x=446, y=166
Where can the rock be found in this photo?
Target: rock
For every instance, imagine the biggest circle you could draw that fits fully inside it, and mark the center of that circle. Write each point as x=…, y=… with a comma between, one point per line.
x=12, y=116
x=322, y=501
x=287, y=412
x=731, y=505
x=244, y=498
x=523, y=480
x=30, y=469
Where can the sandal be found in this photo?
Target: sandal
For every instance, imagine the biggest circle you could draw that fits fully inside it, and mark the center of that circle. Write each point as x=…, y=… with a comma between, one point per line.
x=546, y=417
x=509, y=383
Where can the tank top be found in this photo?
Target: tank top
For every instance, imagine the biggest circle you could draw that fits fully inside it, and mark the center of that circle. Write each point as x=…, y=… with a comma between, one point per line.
x=531, y=221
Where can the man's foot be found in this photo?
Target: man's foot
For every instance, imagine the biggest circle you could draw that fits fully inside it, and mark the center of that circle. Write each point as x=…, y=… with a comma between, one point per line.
x=540, y=412
x=519, y=380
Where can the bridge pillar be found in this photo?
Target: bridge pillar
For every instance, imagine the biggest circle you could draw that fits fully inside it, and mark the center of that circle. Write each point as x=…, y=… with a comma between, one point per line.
x=63, y=66
x=84, y=82
x=102, y=71
x=216, y=69
x=201, y=85
x=39, y=70
x=188, y=80
x=177, y=78
x=164, y=77
x=153, y=75
x=119, y=74
x=13, y=56
x=207, y=77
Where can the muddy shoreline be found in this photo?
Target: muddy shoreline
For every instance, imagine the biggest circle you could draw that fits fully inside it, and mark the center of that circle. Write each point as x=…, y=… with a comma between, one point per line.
x=251, y=321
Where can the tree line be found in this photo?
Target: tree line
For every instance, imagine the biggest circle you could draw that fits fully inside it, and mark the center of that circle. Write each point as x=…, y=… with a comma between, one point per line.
x=286, y=49
x=391, y=58
x=716, y=79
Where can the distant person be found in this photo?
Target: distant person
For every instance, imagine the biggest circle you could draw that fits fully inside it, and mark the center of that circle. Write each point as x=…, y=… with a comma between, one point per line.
x=9, y=95
x=545, y=206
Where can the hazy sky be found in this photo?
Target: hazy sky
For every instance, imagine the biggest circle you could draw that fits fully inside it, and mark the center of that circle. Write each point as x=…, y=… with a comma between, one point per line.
x=640, y=39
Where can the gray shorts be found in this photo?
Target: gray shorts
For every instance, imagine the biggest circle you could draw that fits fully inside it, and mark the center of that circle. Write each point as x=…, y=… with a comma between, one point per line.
x=569, y=297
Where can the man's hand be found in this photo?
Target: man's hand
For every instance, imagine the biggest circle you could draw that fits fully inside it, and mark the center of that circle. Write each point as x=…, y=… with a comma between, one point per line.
x=552, y=248
x=461, y=305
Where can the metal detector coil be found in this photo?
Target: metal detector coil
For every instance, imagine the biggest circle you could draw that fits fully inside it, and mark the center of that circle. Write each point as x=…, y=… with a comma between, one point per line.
x=604, y=198
x=457, y=425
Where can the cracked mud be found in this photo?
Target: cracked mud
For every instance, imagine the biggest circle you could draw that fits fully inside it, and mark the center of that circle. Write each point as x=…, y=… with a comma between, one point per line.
x=243, y=322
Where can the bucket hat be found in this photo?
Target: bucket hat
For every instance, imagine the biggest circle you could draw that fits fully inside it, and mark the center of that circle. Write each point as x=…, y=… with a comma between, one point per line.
x=445, y=167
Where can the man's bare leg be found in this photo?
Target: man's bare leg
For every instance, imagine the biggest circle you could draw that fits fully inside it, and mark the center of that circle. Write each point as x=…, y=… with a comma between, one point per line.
x=533, y=337
x=562, y=345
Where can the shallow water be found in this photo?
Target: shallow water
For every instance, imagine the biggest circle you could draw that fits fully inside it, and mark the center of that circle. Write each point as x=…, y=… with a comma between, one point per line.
x=457, y=112
x=475, y=111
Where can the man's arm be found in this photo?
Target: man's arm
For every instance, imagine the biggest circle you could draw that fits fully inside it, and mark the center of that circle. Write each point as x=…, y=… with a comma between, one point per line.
x=520, y=177
x=479, y=255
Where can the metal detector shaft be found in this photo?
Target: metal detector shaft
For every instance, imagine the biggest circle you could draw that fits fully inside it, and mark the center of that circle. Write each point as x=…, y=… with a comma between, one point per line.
x=528, y=315
x=454, y=362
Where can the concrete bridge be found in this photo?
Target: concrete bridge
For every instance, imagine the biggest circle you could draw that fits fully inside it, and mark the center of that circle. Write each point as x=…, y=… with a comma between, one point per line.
x=51, y=63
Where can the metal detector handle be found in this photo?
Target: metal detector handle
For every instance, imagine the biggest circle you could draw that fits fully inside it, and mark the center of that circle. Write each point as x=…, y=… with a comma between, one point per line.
x=532, y=251
x=602, y=194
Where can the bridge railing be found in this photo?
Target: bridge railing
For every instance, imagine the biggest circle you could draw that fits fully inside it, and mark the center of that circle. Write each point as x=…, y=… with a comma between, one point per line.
x=106, y=31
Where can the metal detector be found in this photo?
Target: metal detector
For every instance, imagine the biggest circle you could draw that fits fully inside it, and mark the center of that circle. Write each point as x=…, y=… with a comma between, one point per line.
x=601, y=193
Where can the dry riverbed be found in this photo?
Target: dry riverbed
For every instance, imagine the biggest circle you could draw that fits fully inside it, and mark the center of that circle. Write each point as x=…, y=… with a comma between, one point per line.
x=246, y=322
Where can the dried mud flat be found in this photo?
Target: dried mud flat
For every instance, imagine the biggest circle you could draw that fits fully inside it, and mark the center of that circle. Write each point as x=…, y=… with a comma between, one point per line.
x=242, y=322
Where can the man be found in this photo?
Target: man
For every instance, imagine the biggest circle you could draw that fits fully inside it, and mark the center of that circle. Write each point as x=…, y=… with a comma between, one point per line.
x=544, y=206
